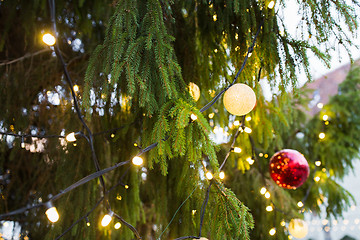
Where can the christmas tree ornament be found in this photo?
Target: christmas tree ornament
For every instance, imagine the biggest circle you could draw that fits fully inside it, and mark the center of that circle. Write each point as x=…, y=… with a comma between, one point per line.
x=289, y=168
x=239, y=99
x=194, y=91
x=298, y=228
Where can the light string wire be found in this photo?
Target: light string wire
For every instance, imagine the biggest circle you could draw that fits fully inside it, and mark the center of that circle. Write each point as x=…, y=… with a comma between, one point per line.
x=99, y=173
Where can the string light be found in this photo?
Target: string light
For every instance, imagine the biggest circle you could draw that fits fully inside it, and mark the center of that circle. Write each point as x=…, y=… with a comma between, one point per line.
x=269, y=208
x=237, y=149
x=193, y=117
x=318, y=163
x=49, y=39
x=76, y=88
x=267, y=195
x=250, y=160
x=316, y=179
x=211, y=115
x=263, y=190
x=271, y=4
x=321, y=135
x=272, y=232
x=51, y=212
x=126, y=187
x=221, y=175
x=236, y=123
x=138, y=161
x=247, y=130
x=239, y=99
x=107, y=219
x=71, y=137
x=87, y=221
x=248, y=118
x=117, y=225
x=282, y=223
x=300, y=204
x=112, y=135
x=215, y=17
x=325, y=117
x=209, y=175
x=320, y=105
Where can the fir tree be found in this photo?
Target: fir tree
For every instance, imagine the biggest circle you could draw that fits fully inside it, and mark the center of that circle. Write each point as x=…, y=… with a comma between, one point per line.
x=133, y=62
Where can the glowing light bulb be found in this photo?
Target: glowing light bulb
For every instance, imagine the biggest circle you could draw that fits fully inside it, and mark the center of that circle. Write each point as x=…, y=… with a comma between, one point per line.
x=300, y=204
x=247, y=130
x=320, y=105
x=237, y=149
x=318, y=163
x=117, y=225
x=51, y=212
x=22, y=145
x=49, y=39
x=236, y=123
x=272, y=232
x=215, y=18
x=316, y=179
x=211, y=115
x=106, y=219
x=221, y=175
x=325, y=117
x=137, y=161
x=271, y=4
x=126, y=186
x=76, y=88
x=250, y=160
x=88, y=224
x=269, y=208
x=70, y=137
x=112, y=135
x=248, y=118
x=263, y=190
x=209, y=175
x=282, y=223
x=193, y=117
x=267, y=195
x=321, y=135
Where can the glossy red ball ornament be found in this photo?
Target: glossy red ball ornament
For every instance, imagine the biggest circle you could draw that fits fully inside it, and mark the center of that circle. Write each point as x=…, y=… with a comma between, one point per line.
x=289, y=168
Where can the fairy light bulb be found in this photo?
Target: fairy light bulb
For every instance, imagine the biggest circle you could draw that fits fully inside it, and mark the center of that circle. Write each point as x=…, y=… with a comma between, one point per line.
x=107, y=219
x=221, y=175
x=137, y=161
x=263, y=190
x=71, y=137
x=76, y=88
x=209, y=175
x=49, y=39
x=194, y=91
x=325, y=117
x=318, y=163
x=321, y=135
x=267, y=195
x=271, y=4
x=316, y=179
x=300, y=204
x=250, y=160
x=239, y=99
x=269, y=208
x=236, y=123
x=22, y=143
x=193, y=117
x=320, y=105
x=248, y=118
x=272, y=232
x=51, y=212
x=117, y=225
x=247, y=130
x=237, y=149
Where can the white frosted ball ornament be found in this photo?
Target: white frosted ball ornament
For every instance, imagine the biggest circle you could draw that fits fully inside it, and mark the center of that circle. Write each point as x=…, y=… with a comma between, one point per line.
x=298, y=228
x=239, y=99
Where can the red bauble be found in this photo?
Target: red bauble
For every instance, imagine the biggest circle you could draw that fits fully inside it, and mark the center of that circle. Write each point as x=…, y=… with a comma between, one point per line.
x=289, y=169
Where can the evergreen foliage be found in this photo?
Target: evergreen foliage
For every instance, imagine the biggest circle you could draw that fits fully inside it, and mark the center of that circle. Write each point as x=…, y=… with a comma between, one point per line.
x=133, y=61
